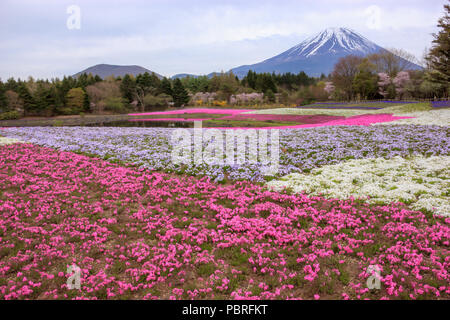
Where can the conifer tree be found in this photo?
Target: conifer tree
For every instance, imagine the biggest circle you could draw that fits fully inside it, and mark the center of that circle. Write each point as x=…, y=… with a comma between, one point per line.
x=439, y=55
x=166, y=86
x=179, y=94
x=128, y=88
x=29, y=103
x=3, y=101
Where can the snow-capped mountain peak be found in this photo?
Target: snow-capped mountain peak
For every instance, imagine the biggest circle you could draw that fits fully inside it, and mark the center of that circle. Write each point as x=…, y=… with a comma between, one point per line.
x=331, y=40
x=316, y=55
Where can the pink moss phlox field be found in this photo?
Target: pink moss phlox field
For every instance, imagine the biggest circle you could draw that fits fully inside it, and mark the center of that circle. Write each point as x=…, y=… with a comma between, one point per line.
x=307, y=119
x=360, y=120
x=193, y=111
x=169, y=119
x=143, y=235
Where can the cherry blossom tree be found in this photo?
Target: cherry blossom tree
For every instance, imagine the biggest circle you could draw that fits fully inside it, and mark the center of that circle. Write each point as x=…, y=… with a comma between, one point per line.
x=400, y=82
x=247, y=98
x=393, y=87
x=383, y=83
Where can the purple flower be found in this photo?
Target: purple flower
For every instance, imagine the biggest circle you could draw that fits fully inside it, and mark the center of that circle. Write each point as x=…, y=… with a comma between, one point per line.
x=441, y=104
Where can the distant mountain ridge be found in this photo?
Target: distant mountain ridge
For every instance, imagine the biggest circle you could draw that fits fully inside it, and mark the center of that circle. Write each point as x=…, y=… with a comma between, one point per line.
x=106, y=70
x=184, y=75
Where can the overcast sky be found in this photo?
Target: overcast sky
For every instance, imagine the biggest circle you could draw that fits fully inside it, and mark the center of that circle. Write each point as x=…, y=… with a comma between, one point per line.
x=195, y=36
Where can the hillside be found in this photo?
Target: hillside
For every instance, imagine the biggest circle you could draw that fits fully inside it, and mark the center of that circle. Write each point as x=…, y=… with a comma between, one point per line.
x=106, y=70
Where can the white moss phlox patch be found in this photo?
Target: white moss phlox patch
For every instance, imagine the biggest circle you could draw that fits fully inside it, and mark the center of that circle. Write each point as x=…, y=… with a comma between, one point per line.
x=421, y=182
x=5, y=141
x=433, y=117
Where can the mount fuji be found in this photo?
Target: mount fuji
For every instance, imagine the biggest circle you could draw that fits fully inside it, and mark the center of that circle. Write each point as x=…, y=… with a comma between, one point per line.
x=315, y=55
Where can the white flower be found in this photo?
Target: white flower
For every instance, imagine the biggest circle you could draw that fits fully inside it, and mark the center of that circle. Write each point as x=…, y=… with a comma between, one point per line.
x=4, y=141
x=440, y=117
x=423, y=183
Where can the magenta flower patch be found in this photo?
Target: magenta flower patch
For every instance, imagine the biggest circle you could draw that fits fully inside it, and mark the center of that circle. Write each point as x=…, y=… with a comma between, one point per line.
x=142, y=235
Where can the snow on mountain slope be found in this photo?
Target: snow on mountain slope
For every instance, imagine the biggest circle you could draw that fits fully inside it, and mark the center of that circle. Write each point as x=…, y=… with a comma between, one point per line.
x=317, y=54
x=332, y=40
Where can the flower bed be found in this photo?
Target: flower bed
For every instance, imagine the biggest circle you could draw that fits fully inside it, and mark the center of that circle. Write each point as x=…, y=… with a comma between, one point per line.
x=376, y=101
x=169, y=119
x=141, y=235
x=420, y=182
x=368, y=105
x=301, y=111
x=439, y=117
x=359, y=120
x=4, y=141
x=302, y=119
x=441, y=104
x=339, y=107
x=397, y=110
x=301, y=150
x=190, y=111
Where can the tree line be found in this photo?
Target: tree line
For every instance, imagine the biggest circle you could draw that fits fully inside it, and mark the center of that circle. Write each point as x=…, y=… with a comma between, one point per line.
x=91, y=94
x=86, y=94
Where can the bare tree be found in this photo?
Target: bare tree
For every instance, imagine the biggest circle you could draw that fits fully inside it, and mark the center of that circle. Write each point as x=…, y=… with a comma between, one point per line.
x=14, y=101
x=103, y=90
x=100, y=91
x=393, y=61
x=344, y=72
x=423, y=62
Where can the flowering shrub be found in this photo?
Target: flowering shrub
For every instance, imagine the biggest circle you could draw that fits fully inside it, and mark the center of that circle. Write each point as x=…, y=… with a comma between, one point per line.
x=247, y=98
x=421, y=182
x=204, y=97
x=142, y=235
x=219, y=103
